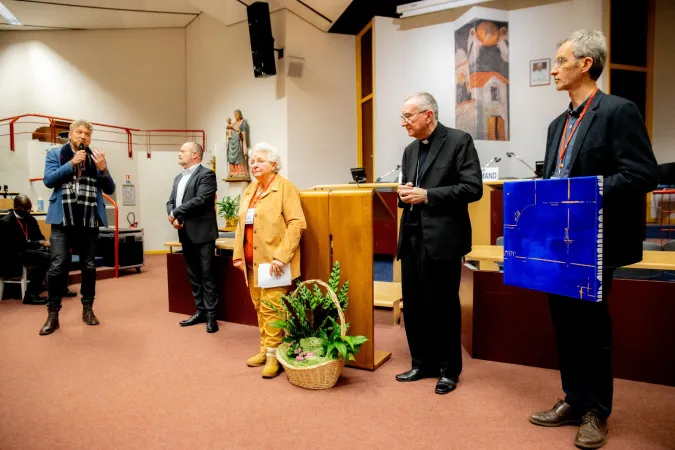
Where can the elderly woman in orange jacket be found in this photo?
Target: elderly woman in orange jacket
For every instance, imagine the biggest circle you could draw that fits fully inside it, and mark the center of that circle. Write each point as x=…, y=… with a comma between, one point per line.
x=268, y=232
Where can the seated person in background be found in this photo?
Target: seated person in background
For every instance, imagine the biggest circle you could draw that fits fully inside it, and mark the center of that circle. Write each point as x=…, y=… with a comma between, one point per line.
x=24, y=244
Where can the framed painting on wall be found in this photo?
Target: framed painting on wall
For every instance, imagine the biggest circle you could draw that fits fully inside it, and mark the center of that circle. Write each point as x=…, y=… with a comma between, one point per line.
x=540, y=72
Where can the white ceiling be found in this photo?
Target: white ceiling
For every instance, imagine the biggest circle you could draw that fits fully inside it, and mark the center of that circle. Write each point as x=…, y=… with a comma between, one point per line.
x=113, y=14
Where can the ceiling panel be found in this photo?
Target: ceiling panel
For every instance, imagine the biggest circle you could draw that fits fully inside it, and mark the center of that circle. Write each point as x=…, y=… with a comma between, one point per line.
x=331, y=9
x=57, y=16
x=182, y=6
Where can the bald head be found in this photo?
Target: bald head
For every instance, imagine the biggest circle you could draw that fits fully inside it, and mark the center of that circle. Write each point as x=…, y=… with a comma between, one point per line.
x=22, y=204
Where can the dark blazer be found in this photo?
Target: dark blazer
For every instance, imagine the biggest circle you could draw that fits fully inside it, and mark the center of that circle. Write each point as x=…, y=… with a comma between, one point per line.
x=452, y=177
x=197, y=212
x=612, y=141
x=13, y=242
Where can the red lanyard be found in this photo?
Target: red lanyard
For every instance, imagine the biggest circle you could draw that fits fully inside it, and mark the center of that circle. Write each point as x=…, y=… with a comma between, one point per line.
x=565, y=142
x=24, y=230
x=254, y=200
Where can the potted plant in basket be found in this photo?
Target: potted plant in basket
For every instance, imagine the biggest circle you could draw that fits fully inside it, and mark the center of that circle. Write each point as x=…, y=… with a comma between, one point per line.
x=315, y=346
x=228, y=208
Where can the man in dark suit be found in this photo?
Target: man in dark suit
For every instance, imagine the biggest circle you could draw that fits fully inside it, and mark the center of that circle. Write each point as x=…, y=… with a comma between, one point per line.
x=604, y=135
x=440, y=176
x=24, y=244
x=192, y=212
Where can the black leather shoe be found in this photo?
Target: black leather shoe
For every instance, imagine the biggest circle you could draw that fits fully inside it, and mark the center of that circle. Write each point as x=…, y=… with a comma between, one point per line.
x=196, y=318
x=445, y=385
x=69, y=293
x=415, y=374
x=32, y=299
x=211, y=324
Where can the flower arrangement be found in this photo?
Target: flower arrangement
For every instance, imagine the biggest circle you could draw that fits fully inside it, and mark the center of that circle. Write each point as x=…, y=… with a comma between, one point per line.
x=313, y=332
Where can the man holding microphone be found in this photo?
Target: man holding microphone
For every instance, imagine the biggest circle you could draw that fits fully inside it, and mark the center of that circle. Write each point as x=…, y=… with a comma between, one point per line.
x=78, y=177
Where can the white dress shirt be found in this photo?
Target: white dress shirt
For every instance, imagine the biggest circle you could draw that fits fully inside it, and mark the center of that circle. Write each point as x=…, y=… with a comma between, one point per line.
x=180, y=190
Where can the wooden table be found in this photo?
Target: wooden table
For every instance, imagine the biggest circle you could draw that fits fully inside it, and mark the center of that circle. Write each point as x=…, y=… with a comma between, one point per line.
x=489, y=255
x=512, y=325
x=221, y=244
x=234, y=300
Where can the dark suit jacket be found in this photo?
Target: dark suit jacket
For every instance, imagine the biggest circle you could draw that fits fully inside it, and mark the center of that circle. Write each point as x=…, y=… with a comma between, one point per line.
x=13, y=242
x=452, y=177
x=612, y=141
x=197, y=211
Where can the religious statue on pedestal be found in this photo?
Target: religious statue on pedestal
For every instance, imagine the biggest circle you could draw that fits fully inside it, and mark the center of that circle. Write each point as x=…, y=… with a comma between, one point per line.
x=237, y=148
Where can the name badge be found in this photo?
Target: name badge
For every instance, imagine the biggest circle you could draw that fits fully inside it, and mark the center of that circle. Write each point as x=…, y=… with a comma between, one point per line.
x=249, y=216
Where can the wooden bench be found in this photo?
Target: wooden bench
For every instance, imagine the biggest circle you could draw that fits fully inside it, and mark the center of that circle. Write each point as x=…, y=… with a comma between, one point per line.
x=388, y=295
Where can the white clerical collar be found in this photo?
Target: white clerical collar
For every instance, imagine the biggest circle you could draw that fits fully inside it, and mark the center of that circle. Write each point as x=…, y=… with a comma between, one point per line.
x=17, y=216
x=191, y=170
x=425, y=141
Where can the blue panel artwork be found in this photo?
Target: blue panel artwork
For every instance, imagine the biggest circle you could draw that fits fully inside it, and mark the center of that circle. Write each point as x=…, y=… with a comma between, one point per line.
x=553, y=236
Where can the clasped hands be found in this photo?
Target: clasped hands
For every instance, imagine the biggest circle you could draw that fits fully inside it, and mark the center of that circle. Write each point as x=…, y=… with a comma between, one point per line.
x=411, y=194
x=276, y=267
x=174, y=222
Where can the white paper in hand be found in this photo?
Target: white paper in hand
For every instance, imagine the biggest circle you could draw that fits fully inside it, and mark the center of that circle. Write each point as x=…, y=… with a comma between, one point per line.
x=265, y=280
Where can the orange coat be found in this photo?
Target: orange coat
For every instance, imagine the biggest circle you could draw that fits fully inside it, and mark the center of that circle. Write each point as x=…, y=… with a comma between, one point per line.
x=277, y=226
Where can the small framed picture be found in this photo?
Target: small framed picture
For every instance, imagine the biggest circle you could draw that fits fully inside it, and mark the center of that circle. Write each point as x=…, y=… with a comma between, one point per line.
x=128, y=195
x=540, y=72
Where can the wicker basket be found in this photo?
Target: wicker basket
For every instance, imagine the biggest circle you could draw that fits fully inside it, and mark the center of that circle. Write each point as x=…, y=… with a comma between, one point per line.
x=326, y=374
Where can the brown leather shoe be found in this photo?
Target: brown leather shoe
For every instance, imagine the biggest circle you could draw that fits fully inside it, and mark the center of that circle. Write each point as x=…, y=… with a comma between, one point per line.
x=88, y=316
x=592, y=432
x=561, y=414
x=52, y=323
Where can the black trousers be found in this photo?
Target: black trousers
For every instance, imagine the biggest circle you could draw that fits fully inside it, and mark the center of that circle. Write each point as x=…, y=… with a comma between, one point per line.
x=584, y=339
x=199, y=263
x=37, y=263
x=83, y=240
x=433, y=316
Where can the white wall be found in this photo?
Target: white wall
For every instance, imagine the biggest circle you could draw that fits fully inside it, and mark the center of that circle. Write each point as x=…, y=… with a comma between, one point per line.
x=310, y=120
x=424, y=59
x=321, y=105
x=220, y=79
x=132, y=78
x=663, y=128
x=406, y=62
x=534, y=33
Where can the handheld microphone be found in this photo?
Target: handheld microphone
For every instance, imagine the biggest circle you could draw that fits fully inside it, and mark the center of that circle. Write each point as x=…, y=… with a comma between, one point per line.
x=81, y=147
x=511, y=154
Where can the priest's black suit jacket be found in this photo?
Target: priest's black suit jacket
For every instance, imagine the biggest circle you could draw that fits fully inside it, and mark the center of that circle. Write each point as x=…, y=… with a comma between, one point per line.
x=452, y=176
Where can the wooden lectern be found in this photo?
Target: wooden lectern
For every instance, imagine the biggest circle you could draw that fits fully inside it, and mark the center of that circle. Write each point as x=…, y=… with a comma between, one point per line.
x=340, y=228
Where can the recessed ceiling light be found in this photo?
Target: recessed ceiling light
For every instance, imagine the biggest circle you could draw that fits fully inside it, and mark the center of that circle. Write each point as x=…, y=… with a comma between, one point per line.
x=9, y=17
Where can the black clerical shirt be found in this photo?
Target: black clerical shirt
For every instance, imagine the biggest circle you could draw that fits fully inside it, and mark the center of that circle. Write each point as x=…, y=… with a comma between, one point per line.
x=413, y=219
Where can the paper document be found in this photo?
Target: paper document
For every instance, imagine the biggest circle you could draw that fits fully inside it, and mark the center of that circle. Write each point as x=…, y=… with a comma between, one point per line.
x=265, y=280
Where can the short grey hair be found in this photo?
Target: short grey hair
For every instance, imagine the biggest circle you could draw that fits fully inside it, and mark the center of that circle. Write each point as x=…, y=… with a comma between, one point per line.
x=270, y=151
x=589, y=44
x=81, y=123
x=424, y=100
x=196, y=148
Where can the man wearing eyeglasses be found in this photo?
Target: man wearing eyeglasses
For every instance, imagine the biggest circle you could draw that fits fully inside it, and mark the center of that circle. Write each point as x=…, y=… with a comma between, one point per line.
x=440, y=176
x=604, y=135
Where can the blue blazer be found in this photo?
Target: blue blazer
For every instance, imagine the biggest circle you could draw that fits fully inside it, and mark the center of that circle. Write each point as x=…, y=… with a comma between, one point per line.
x=56, y=173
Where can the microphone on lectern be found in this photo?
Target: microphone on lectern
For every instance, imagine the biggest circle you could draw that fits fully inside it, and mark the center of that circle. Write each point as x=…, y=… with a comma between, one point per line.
x=511, y=154
x=495, y=159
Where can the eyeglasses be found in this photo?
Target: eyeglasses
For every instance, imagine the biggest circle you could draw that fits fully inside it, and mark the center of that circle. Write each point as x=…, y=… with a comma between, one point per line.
x=408, y=117
x=560, y=62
